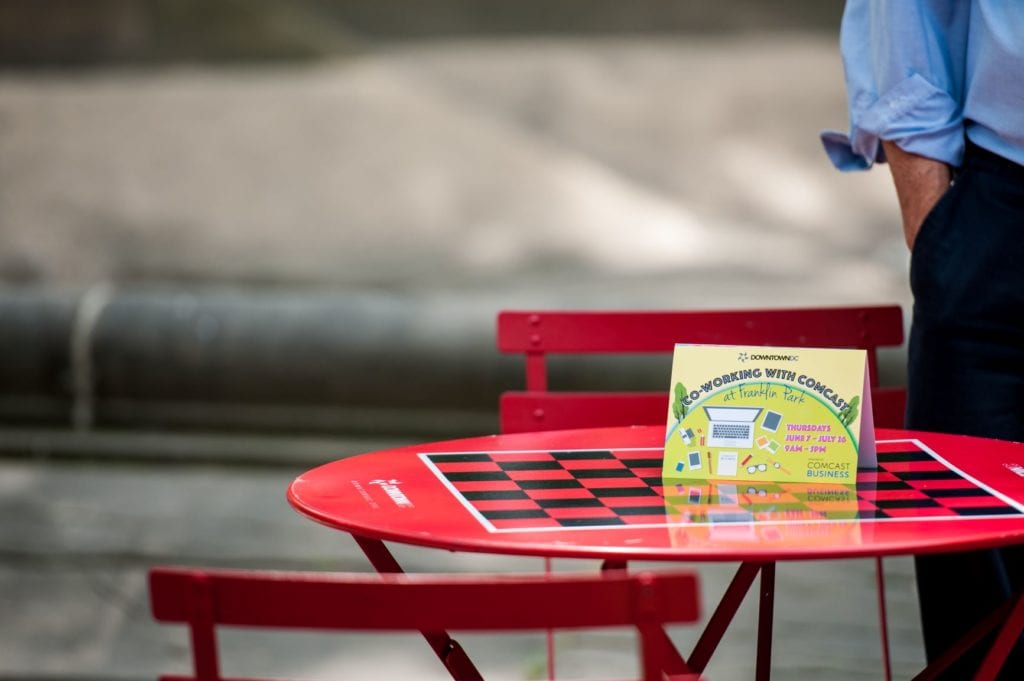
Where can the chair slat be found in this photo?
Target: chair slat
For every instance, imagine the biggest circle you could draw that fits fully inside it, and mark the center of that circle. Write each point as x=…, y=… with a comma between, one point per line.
x=524, y=411
x=535, y=410
x=397, y=602
x=639, y=332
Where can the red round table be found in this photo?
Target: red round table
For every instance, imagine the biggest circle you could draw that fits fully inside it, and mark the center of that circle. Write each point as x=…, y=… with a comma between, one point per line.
x=598, y=493
x=401, y=495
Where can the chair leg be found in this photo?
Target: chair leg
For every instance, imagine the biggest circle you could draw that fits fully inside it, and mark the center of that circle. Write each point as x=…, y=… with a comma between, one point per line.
x=204, y=635
x=651, y=651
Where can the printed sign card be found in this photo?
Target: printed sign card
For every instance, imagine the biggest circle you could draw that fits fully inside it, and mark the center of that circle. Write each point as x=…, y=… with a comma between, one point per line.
x=766, y=413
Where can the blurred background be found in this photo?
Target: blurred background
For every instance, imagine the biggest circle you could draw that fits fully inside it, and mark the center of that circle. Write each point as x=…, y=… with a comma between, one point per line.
x=242, y=238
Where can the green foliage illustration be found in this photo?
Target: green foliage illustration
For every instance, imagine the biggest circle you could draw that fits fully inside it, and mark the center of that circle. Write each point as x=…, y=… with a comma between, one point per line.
x=849, y=413
x=678, y=408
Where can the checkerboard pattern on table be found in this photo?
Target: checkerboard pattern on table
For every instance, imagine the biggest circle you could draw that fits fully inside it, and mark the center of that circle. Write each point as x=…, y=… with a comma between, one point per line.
x=530, y=490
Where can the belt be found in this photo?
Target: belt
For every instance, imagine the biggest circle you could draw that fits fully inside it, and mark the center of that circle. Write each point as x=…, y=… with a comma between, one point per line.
x=983, y=159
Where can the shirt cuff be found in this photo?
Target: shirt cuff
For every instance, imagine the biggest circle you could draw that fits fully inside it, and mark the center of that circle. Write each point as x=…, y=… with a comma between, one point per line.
x=919, y=117
x=840, y=152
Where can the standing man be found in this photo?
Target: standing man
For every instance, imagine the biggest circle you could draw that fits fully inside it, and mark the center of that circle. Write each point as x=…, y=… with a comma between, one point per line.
x=936, y=89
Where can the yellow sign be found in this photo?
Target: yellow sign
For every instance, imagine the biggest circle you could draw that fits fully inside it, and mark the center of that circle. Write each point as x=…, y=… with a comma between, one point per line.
x=765, y=413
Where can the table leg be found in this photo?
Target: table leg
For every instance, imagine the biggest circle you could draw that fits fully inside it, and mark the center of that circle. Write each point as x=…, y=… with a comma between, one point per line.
x=673, y=662
x=999, y=616
x=447, y=649
x=550, y=634
x=1004, y=643
x=883, y=618
x=723, y=615
x=765, y=617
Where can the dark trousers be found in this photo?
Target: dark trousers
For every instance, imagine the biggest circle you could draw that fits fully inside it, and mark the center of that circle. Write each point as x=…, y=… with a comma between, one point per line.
x=966, y=374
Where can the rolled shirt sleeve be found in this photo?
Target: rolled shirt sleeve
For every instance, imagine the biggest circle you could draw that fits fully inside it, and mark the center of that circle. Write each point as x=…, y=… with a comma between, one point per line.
x=904, y=62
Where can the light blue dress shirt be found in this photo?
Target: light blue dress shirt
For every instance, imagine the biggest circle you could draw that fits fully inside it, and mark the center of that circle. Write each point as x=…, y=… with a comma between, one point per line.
x=923, y=73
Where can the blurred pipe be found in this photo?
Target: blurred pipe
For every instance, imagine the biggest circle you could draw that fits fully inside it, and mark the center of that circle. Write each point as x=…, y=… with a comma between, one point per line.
x=307, y=361
x=35, y=366
x=358, y=363
x=82, y=372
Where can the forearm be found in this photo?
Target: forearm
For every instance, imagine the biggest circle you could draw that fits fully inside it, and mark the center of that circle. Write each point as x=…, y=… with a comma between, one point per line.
x=920, y=183
x=904, y=68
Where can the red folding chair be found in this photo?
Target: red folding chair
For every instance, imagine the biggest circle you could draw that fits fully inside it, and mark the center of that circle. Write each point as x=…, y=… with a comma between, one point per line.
x=203, y=599
x=538, y=334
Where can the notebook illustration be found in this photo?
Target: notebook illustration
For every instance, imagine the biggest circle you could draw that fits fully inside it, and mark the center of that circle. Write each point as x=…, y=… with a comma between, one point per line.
x=771, y=421
x=731, y=426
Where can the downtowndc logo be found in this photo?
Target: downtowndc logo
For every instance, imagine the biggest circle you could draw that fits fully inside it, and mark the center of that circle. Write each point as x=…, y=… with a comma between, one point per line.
x=1015, y=468
x=394, y=492
x=768, y=358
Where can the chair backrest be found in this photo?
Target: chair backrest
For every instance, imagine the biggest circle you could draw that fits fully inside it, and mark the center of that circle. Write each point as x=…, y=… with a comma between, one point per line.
x=203, y=599
x=537, y=334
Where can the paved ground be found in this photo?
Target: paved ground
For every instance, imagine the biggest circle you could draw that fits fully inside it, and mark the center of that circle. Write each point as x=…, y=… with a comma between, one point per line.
x=650, y=172
x=637, y=173
x=73, y=576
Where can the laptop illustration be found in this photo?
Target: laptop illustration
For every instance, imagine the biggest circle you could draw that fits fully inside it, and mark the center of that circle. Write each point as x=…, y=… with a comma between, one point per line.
x=731, y=426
